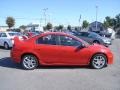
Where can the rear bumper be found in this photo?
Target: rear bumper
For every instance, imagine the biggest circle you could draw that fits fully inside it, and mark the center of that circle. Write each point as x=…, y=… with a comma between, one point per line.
x=15, y=56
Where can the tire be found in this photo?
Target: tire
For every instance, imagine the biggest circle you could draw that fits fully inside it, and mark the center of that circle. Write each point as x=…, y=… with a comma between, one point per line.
x=6, y=46
x=98, y=61
x=96, y=42
x=29, y=62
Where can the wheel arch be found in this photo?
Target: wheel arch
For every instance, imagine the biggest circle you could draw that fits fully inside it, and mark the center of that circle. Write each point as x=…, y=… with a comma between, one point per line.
x=29, y=53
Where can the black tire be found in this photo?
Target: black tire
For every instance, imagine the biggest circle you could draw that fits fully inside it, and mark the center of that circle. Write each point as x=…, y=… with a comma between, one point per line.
x=29, y=62
x=98, y=61
x=96, y=41
x=6, y=46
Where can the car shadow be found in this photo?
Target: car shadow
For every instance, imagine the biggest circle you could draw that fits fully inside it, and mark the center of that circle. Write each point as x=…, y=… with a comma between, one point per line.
x=8, y=63
x=4, y=48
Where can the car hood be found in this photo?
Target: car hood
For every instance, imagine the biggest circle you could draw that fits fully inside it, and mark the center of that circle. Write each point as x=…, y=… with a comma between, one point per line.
x=105, y=38
x=98, y=47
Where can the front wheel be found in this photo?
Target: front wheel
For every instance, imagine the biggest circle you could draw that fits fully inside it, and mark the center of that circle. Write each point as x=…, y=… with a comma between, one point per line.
x=98, y=61
x=97, y=42
x=6, y=46
x=29, y=62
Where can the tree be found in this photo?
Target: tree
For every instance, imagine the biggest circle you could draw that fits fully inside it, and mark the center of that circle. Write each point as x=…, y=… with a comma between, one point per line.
x=109, y=22
x=69, y=27
x=10, y=21
x=85, y=24
x=60, y=27
x=22, y=27
x=49, y=26
x=117, y=18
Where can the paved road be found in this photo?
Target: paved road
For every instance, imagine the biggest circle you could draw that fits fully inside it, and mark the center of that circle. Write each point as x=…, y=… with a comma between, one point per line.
x=12, y=77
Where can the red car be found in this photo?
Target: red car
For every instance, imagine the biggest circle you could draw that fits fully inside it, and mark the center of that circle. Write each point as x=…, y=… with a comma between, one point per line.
x=56, y=48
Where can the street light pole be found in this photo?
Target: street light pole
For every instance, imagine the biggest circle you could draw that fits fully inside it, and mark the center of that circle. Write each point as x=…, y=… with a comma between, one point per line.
x=79, y=21
x=96, y=16
x=44, y=11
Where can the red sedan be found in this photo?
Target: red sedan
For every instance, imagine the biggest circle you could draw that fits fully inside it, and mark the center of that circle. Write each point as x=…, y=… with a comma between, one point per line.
x=56, y=48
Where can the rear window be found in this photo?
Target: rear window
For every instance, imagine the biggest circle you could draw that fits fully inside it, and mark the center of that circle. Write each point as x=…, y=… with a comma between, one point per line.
x=14, y=34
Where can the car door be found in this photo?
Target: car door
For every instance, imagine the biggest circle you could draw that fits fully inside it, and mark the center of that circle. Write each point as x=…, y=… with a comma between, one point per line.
x=3, y=38
x=48, y=49
x=85, y=36
x=0, y=39
x=71, y=53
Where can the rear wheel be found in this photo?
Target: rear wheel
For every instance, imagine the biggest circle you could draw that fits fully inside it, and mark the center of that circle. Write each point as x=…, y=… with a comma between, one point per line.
x=98, y=61
x=96, y=42
x=29, y=62
x=6, y=46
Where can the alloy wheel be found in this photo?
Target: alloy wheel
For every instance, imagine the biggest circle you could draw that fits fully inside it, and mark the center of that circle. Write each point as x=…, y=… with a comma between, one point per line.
x=98, y=61
x=29, y=62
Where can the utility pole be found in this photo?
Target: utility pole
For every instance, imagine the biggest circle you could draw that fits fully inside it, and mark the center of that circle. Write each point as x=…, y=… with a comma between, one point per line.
x=80, y=21
x=44, y=11
x=96, y=16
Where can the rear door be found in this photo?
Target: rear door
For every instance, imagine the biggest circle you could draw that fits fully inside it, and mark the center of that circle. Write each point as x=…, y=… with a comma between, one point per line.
x=85, y=36
x=49, y=49
x=3, y=38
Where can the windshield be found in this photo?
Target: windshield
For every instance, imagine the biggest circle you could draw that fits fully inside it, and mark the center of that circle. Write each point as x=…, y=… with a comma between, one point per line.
x=94, y=35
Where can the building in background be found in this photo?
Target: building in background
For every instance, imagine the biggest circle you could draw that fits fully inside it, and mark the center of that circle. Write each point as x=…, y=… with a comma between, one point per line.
x=34, y=27
x=100, y=27
x=4, y=28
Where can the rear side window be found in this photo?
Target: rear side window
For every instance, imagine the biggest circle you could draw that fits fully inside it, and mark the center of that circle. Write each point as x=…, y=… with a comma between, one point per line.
x=84, y=34
x=14, y=34
x=49, y=39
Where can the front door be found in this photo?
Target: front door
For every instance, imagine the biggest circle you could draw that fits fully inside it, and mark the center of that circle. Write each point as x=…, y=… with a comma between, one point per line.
x=71, y=53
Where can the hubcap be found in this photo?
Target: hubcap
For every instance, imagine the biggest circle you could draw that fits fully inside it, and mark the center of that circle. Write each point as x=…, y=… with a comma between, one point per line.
x=99, y=61
x=29, y=62
x=6, y=46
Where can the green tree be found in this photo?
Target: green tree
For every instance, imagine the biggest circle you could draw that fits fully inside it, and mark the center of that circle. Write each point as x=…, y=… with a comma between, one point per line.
x=69, y=27
x=85, y=24
x=109, y=22
x=49, y=26
x=10, y=21
x=22, y=27
x=117, y=18
x=60, y=27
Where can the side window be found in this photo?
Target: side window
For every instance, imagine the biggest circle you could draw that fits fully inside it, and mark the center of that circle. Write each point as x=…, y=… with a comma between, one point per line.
x=68, y=41
x=84, y=34
x=3, y=35
x=49, y=39
x=0, y=34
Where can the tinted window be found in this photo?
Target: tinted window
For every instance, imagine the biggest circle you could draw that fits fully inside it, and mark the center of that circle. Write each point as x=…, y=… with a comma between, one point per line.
x=68, y=41
x=3, y=35
x=14, y=34
x=85, y=34
x=93, y=35
x=49, y=39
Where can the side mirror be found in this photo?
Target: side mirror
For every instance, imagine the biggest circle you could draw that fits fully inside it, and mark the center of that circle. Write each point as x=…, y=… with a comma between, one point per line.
x=81, y=46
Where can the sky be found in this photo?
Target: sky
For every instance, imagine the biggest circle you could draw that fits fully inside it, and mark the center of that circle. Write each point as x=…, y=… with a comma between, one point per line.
x=65, y=12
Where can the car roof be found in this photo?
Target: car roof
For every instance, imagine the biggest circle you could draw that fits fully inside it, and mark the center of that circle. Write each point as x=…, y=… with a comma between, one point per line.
x=57, y=33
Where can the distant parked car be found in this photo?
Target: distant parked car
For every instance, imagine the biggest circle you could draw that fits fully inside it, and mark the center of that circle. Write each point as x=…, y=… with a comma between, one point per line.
x=92, y=37
x=57, y=48
x=7, y=39
x=31, y=34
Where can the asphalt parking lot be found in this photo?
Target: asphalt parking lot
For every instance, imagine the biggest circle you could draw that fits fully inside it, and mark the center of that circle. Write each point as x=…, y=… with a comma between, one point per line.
x=12, y=77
